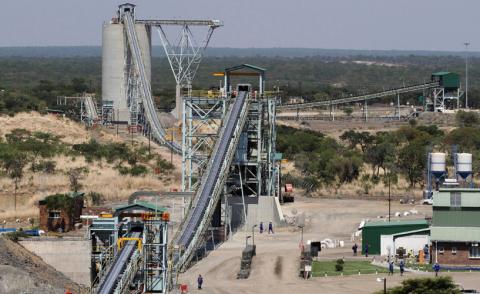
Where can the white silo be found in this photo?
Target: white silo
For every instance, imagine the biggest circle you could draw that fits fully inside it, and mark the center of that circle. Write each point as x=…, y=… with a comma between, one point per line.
x=115, y=53
x=464, y=164
x=438, y=164
x=113, y=69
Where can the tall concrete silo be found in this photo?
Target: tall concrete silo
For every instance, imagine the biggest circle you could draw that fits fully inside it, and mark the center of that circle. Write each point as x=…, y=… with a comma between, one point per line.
x=116, y=59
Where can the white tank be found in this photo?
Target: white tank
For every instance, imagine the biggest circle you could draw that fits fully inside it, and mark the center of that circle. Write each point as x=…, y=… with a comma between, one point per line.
x=113, y=69
x=464, y=164
x=114, y=55
x=437, y=163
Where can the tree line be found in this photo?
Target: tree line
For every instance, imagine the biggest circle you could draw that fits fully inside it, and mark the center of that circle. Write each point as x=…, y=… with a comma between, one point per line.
x=374, y=157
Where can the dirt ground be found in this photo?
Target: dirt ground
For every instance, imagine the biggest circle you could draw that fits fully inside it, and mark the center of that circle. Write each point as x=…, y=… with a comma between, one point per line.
x=324, y=218
x=23, y=272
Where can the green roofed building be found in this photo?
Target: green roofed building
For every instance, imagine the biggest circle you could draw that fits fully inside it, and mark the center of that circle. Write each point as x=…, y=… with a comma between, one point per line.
x=372, y=231
x=455, y=231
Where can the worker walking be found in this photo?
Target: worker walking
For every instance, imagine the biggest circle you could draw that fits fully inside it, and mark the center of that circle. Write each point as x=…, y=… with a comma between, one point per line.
x=402, y=267
x=200, y=282
x=365, y=250
x=436, y=268
x=270, y=227
x=390, y=268
x=261, y=227
x=354, y=249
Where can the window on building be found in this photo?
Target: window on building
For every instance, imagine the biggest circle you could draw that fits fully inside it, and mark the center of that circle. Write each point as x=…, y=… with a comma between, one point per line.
x=474, y=250
x=455, y=199
x=54, y=214
x=454, y=250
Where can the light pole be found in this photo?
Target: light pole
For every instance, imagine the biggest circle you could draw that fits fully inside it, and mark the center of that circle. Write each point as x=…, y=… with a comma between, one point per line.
x=301, y=227
x=253, y=234
x=466, y=73
x=246, y=240
x=389, y=198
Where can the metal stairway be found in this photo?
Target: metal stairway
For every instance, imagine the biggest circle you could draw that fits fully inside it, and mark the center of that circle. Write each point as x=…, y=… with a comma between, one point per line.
x=360, y=97
x=212, y=181
x=158, y=132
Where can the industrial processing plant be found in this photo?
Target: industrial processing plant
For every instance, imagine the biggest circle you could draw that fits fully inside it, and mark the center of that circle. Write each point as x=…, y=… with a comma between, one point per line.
x=169, y=161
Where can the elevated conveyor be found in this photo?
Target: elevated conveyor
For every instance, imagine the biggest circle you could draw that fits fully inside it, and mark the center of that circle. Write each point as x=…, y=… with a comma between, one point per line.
x=213, y=180
x=90, y=108
x=158, y=132
x=118, y=266
x=360, y=98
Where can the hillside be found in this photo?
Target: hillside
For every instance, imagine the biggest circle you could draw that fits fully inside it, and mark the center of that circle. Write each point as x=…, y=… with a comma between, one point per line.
x=114, y=179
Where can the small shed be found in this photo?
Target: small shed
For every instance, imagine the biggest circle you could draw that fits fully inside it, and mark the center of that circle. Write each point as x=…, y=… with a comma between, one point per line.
x=448, y=80
x=372, y=231
x=60, y=212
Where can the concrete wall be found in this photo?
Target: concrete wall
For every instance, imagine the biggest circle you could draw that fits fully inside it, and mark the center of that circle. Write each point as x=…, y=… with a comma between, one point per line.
x=70, y=256
x=259, y=209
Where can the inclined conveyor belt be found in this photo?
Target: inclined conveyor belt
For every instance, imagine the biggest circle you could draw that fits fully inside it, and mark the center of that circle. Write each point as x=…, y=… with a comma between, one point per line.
x=360, y=97
x=158, y=132
x=207, y=196
x=121, y=261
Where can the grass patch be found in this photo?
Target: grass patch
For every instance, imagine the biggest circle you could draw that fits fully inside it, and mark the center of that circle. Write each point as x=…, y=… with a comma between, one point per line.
x=320, y=268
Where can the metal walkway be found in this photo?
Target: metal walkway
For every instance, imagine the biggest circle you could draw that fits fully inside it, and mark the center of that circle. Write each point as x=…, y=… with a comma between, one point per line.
x=213, y=180
x=360, y=97
x=121, y=261
x=158, y=132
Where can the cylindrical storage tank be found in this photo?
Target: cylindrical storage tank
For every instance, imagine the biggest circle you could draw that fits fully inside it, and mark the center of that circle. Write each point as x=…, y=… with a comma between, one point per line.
x=464, y=164
x=437, y=164
x=145, y=42
x=113, y=69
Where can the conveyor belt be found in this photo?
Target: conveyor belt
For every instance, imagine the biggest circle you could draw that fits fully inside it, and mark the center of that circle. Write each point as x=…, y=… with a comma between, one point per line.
x=158, y=132
x=111, y=279
x=360, y=97
x=90, y=108
x=213, y=180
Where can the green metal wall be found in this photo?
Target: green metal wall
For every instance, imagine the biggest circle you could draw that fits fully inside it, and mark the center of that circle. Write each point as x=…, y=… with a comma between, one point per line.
x=371, y=235
x=456, y=217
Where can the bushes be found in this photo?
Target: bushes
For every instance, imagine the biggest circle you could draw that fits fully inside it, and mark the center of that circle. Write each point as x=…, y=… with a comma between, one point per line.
x=136, y=170
x=339, y=265
x=467, y=119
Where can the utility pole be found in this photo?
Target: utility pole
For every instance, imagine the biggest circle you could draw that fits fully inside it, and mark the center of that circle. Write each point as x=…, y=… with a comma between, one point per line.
x=389, y=197
x=171, y=150
x=466, y=73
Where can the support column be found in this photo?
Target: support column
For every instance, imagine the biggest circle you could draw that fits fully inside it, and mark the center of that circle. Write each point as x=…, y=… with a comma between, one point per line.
x=398, y=106
x=365, y=109
x=178, y=102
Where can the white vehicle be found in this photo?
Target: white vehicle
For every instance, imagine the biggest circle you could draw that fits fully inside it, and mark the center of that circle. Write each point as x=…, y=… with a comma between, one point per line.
x=427, y=201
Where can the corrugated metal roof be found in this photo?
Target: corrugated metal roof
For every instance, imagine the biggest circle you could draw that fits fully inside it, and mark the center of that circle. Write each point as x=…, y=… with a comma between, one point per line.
x=456, y=234
x=397, y=223
x=414, y=232
x=144, y=204
x=245, y=65
x=441, y=73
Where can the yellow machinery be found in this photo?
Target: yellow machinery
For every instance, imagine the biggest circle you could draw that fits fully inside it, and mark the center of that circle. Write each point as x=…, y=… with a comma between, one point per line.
x=121, y=241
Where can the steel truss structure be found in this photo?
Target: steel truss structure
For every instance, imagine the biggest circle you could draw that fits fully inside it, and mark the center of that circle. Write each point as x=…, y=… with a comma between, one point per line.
x=441, y=98
x=155, y=267
x=185, y=55
x=201, y=120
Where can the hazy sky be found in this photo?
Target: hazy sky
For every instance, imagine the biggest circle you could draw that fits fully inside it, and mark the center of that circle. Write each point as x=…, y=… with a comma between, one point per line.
x=345, y=24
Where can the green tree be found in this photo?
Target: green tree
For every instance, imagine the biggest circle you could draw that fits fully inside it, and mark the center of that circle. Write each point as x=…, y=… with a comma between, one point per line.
x=467, y=118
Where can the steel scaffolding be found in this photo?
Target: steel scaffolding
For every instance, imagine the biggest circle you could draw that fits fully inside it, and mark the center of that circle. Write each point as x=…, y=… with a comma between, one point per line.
x=155, y=265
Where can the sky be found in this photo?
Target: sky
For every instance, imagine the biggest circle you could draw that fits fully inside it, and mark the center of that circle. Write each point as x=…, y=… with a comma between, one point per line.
x=437, y=25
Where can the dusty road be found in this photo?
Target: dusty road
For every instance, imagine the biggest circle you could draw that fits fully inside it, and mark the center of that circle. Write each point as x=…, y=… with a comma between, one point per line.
x=334, y=219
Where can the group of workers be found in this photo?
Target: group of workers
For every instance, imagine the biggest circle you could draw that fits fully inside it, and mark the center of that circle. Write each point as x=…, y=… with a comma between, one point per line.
x=401, y=265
